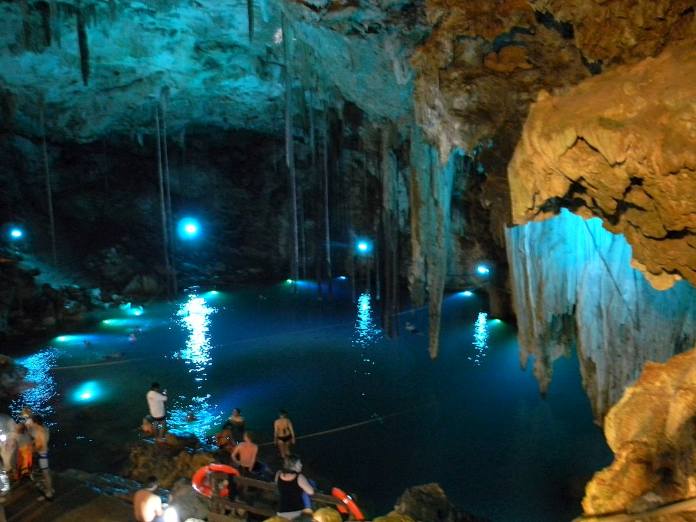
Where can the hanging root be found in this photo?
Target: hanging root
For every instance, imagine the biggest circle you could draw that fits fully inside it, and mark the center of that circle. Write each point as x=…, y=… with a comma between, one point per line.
x=84, y=47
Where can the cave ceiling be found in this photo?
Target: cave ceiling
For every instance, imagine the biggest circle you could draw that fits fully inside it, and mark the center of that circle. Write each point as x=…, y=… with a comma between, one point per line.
x=465, y=71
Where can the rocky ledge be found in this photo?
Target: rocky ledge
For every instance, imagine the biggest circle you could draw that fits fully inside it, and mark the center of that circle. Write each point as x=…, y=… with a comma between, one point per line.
x=652, y=432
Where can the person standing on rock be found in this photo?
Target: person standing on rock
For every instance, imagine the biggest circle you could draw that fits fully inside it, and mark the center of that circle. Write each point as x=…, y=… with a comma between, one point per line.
x=283, y=434
x=39, y=433
x=147, y=506
x=155, y=403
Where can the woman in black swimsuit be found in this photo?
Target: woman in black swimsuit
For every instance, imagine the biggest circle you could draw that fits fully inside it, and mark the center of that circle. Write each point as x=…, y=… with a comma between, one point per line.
x=283, y=434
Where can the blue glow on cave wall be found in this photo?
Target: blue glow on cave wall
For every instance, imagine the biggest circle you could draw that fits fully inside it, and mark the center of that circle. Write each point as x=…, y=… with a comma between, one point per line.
x=573, y=284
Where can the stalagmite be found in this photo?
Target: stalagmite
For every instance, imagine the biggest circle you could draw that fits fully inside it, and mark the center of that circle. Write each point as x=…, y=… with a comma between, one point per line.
x=49, y=189
x=290, y=151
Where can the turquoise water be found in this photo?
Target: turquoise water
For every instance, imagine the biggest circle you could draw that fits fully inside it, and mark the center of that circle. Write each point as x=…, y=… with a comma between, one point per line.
x=471, y=420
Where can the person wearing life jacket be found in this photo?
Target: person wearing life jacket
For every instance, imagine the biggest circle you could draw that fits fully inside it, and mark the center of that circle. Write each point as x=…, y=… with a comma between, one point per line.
x=292, y=485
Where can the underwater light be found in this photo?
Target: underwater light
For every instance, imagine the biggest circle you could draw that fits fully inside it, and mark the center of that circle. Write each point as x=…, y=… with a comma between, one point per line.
x=288, y=281
x=189, y=228
x=342, y=278
x=467, y=293
x=483, y=269
x=63, y=338
x=88, y=391
x=16, y=233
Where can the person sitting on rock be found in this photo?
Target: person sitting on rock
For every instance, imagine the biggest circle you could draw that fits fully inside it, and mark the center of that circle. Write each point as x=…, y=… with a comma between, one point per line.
x=147, y=506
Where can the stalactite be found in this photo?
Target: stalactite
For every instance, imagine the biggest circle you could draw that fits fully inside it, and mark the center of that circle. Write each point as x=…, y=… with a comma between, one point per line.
x=389, y=227
x=26, y=25
x=163, y=207
x=290, y=150
x=573, y=285
x=164, y=102
x=250, y=18
x=49, y=189
x=55, y=22
x=431, y=196
x=45, y=11
x=83, y=45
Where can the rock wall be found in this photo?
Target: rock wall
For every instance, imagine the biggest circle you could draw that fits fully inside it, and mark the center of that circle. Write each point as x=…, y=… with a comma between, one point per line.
x=573, y=284
x=652, y=433
x=620, y=146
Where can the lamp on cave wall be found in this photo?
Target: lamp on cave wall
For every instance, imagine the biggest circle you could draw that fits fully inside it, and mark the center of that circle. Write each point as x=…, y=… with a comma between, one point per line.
x=189, y=228
x=483, y=269
x=16, y=233
x=363, y=246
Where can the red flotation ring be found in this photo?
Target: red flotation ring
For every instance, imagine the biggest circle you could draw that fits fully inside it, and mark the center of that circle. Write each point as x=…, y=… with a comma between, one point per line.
x=347, y=504
x=202, y=486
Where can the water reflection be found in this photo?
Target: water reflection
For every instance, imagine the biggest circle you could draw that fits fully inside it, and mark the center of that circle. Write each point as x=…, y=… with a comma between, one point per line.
x=365, y=336
x=195, y=414
x=480, y=338
x=39, y=396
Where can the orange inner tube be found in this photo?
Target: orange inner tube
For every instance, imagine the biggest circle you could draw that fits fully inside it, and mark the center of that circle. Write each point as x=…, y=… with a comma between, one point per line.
x=347, y=504
x=202, y=486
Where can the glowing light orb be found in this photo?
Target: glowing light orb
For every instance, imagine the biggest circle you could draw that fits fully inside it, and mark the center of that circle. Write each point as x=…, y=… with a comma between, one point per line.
x=467, y=293
x=63, y=338
x=342, y=278
x=483, y=270
x=86, y=392
x=363, y=246
x=189, y=228
x=16, y=233
x=288, y=281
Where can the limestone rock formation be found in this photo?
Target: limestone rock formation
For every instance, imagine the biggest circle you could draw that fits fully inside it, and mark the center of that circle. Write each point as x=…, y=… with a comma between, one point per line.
x=622, y=31
x=652, y=433
x=573, y=285
x=620, y=146
x=428, y=503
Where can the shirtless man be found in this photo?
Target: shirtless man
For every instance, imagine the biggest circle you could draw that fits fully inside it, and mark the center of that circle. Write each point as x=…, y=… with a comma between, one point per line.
x=245, y=452
x=39, y=433
x=147, y=506
x=283, y=434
